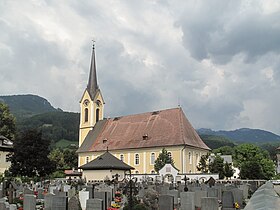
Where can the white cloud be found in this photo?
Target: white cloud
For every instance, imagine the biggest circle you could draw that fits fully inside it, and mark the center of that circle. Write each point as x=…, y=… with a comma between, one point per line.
x=221, y=63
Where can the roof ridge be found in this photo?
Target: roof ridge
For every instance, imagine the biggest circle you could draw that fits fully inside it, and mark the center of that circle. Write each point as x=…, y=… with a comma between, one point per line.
x=161, y=110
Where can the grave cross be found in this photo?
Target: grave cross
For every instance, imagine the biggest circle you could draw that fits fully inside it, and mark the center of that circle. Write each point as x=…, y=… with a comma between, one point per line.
x=185, y=179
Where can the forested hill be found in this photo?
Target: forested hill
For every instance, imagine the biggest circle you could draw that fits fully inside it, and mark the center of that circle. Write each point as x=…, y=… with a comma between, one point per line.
x=32, y=111
x=23, y=106
x=244, y=135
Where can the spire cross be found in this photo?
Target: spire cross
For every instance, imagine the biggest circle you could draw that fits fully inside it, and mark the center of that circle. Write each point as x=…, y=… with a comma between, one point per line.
x=93, y=43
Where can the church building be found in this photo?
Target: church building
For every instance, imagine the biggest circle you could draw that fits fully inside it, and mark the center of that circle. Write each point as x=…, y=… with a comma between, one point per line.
x=136, y=139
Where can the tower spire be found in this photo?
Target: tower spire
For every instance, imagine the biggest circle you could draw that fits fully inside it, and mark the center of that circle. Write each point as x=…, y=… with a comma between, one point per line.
x=92, y=86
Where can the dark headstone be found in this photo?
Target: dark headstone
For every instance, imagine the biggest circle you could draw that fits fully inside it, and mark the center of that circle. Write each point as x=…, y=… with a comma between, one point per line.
x=74, y=203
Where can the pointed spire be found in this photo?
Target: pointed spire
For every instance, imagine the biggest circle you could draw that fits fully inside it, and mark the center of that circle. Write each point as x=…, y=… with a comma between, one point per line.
x=92, y=86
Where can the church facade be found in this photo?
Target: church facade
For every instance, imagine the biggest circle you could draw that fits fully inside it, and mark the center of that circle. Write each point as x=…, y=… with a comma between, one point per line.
x=136, y=139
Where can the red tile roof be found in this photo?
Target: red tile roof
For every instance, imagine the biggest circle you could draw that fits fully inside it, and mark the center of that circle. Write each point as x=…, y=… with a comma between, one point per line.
x=152, y=129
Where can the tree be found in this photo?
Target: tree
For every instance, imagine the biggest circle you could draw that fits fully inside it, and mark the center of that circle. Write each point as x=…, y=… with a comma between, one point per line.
x=203, y=164
x=254, y=163
x=7, y=122
x=70, y=158
x=56, y=156
x=30, y=156
x=228, y=170
x=217, y=166
x=64, y=159
x=225, y=150
x=163, y=159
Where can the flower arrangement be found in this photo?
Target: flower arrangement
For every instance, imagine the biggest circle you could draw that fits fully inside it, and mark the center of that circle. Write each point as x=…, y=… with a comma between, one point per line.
x=116, y=205
x=236, y=205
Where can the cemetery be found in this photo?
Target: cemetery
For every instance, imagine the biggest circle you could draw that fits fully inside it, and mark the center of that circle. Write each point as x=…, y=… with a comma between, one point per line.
x=130, y=193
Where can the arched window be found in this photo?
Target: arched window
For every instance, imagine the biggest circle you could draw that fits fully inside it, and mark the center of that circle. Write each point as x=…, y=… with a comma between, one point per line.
x=152, y=172
x=97, y=115
x=136, y=161
x=169, y=156
x=86, y=114
x=190, y=157
x=153, y=157
x=137, y=172
x=121, y=157
x=87, y=159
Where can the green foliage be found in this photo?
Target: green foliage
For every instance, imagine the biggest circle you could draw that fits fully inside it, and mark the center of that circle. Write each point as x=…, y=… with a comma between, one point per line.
x=54, y=125
x=30, y=156
x=258, y=161
x=215, y=142
x=163, y=159
x=228, y=171
x=23, y=106
x=203, y=164
x=64, y=159
x=224, y=150
x=58, y=174
x=7, y=122
x=63, y=144
x=217, y=166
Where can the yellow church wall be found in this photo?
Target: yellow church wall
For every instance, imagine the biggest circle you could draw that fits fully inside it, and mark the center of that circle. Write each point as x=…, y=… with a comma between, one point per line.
x=180, y=154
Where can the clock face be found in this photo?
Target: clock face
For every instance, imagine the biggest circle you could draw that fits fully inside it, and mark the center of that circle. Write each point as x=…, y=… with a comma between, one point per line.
x=98, y=103
x=86, y=102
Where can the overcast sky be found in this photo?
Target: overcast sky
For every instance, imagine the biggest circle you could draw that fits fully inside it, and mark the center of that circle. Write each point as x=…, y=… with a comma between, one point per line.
x=220, y=60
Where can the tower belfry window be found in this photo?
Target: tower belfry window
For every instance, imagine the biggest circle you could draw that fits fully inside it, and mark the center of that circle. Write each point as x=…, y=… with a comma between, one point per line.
x=86, y=114
x=97, y=115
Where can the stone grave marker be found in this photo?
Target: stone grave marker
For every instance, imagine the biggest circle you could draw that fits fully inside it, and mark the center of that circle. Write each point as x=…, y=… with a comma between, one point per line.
x=105, y=196
x=48, y=201
x=51, y=189
x=4, y=205
x=187, y=200
x=209, y=204
x=227, y=200
x=27, y=191
x=74, y=203
x=197, y=197
x=212, y=192
x=95, y=204
x=175, y=194
x=166, y=202
x=59, y=202
x=66, y=187
x=83, y=196
x=238, y=196
x=13, y=207
x=29, y=202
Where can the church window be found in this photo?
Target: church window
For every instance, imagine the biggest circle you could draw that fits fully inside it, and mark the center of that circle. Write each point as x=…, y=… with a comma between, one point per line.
x=137, y=172
x=87, y=159
x=153, y=156
x=97, y=115
x=137, y=159
x=152, y=172
x=190, y=157
x=196, y=158
x=86, y=114
x=121, y=157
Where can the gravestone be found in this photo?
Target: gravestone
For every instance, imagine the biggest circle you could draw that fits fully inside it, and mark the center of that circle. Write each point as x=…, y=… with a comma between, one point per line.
x=83, y=196
x=29, y=202
x=74, y=203
x=95, y=204
x=187, y=200
x=48, y=201
x=106, y=197
x=238, y=196
x=227, y=200
x=51, y=189
x=197, y=198
x=66, y=187
x=27, y=191
x=212, y=192
x=13, y=207
x=59, y=202
x=209, y=204
x=166, y=202
x=175, y=194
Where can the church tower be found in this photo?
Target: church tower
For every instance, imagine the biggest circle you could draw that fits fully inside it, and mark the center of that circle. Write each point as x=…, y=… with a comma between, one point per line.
x=91, y=104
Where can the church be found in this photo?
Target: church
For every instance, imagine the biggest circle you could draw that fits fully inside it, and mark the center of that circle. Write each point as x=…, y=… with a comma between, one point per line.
x=136, y=139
